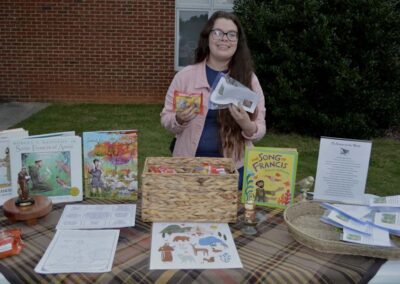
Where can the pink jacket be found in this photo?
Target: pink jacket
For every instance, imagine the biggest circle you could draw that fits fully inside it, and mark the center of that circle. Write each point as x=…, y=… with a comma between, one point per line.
x=193, y=79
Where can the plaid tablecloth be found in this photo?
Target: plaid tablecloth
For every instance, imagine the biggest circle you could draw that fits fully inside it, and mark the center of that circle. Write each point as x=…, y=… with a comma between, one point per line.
x=271, y=256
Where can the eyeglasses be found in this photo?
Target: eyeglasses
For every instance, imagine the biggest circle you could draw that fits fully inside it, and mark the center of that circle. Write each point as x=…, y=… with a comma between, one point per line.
x=217, y=34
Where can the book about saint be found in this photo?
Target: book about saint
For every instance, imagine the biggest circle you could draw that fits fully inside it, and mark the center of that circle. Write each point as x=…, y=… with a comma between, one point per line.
x=111, y=164
x=53, y=164
x=269, y=176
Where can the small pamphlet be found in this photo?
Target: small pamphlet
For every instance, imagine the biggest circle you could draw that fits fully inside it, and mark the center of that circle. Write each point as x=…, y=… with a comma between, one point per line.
x=193, y=246
x=351, y=211
x=183, y=101
x=376, y=237
x=339, y=220
x=79, y=251
x=230, y=91
x=97, y=216
x=388, y=220
x=269, y=176
x=342, y=170
x=387, y=202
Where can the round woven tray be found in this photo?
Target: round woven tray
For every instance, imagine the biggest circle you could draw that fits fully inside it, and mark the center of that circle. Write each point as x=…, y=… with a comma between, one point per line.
x=303, y=220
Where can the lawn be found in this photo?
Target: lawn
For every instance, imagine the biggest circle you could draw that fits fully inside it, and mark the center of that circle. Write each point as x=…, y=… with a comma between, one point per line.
x=384, y=171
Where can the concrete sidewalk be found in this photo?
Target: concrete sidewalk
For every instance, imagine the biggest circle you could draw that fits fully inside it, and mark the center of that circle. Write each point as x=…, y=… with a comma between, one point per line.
x=13, y=112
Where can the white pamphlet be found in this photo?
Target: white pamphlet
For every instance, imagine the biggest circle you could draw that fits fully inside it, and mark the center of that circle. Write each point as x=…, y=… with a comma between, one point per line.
x=342, y=170
x=345, y=222
x=193, y=246
x=377, y=237
x=97, y=216
x=72, y=251
x=389, y=202
x=352, y=211
x=388, y=220
x=229, y=91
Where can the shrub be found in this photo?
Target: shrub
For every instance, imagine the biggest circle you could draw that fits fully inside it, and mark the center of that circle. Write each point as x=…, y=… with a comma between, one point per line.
x=326, y=67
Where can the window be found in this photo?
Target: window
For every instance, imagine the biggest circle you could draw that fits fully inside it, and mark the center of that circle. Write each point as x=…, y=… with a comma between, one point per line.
x=191, y=15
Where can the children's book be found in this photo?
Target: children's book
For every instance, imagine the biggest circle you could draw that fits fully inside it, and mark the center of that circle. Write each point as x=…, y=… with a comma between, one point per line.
x=6, y=191
x=53, y=165
x=111, y=164
x=193, y=246
x=269, y=176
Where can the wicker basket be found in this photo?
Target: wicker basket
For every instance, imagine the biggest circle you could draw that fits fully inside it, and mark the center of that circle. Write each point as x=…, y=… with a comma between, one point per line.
x=303, y=220
x=185, y=196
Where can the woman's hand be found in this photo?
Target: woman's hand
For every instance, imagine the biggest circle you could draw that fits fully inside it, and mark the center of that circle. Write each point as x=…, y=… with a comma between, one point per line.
x=243, y=119
x=186, y=115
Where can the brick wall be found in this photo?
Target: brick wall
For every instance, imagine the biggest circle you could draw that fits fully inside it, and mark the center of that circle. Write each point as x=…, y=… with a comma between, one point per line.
x=86, y=50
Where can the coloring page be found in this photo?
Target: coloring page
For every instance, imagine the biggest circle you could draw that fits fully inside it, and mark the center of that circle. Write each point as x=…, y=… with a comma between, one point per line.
x=193, y=246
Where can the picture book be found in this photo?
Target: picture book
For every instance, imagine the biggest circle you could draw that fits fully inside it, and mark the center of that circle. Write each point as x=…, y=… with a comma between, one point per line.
x=53, y=165
x=193, y=246
x=183, y=101
x=6, y=191
x=269, y=176
x=111, y=164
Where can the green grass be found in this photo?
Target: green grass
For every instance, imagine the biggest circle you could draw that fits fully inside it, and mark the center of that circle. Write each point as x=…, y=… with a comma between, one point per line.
x=384, y=171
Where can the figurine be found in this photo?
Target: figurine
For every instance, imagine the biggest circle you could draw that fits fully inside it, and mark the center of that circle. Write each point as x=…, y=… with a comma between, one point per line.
x=23, y=191
x=305, y=185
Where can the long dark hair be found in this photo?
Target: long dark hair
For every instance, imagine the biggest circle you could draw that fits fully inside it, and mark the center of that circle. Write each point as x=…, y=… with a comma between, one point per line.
x=240, y=68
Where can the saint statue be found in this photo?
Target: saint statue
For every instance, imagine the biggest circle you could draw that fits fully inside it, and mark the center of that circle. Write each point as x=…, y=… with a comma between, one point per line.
x=23, y=192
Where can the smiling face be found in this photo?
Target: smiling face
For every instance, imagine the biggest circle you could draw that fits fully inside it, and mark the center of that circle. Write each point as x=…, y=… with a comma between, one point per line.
x=222, y=50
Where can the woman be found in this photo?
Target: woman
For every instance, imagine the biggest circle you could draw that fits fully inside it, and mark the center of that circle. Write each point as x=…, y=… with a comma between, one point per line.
x=222, y=47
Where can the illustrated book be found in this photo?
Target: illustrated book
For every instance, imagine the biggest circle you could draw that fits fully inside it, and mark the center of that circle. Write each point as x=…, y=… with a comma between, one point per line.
x=269, y=176
x=111, y=164
x=6, y=191
x=53, y=166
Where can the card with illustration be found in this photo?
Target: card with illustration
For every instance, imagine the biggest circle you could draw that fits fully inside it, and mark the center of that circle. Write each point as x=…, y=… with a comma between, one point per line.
x=183, y=101
x=193, y=246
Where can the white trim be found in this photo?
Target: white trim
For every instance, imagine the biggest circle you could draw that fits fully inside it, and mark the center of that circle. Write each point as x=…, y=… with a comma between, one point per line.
x=195, y=6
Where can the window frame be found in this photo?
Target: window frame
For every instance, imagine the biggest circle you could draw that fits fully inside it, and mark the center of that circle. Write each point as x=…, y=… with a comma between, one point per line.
x=194, y=6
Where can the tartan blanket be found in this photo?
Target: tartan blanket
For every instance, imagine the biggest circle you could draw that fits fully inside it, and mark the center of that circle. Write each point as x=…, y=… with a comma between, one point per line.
x=270, y=256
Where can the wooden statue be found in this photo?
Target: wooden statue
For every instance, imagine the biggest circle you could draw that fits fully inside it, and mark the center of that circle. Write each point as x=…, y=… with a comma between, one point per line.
x=23, y=192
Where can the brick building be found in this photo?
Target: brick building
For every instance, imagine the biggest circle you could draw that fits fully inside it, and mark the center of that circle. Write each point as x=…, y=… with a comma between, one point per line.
x=106, y=51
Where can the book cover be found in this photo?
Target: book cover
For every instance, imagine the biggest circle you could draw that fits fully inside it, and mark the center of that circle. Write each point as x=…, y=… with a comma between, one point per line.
x=6, y=191
x=269, y=176
x=54, y=166
x=111, y=164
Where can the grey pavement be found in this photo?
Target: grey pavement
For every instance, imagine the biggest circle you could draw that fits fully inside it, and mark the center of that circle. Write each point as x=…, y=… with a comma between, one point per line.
x=12, y=113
